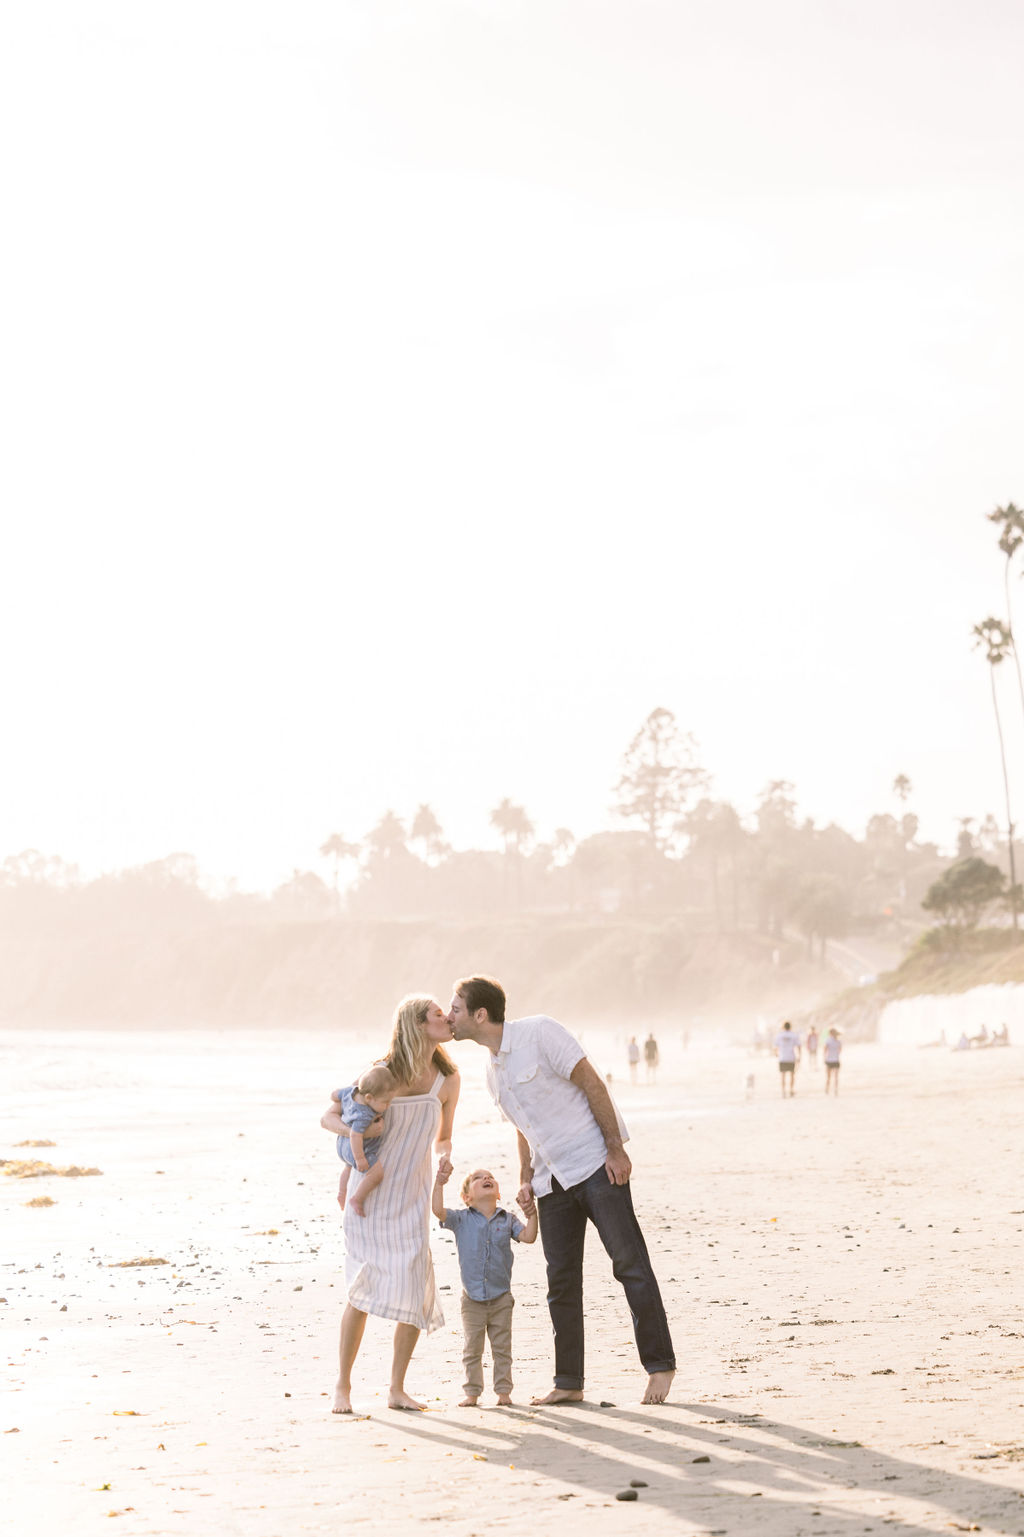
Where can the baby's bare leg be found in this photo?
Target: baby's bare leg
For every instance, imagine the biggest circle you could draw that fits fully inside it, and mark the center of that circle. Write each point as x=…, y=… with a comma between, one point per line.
x=367, y=1186
x=343, y=1186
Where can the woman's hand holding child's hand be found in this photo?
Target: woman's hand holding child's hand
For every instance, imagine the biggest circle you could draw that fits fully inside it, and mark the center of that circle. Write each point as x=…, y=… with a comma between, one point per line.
x=444, y=1171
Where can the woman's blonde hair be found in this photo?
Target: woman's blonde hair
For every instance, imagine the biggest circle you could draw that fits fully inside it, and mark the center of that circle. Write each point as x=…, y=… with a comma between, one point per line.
x=409, y=1051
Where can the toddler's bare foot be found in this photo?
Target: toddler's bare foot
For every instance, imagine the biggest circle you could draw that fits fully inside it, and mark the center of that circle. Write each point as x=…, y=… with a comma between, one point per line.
x=341, y=1199
x=468, y=1403
x=357, y=1206
x=342, y=1401
x=504, y=1400
x=402, y=1400
x=561, y=1396
x=658, y=1384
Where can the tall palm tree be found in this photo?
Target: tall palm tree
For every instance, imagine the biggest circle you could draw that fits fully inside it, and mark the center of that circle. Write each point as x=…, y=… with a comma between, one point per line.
x=337, y=848
x=427, y=830
x=997, y=639
x=516, y=830
x=1010, y=521
x=901, y=787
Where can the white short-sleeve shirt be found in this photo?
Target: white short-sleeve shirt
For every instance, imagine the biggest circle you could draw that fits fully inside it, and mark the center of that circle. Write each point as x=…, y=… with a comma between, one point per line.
x=787, y=1043
x=529, y=1080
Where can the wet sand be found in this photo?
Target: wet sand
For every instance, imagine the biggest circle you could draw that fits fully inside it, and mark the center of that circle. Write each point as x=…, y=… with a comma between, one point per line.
x=842, y=1278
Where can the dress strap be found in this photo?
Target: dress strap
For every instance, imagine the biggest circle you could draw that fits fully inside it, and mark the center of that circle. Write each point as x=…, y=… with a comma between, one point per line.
x=436, y=1085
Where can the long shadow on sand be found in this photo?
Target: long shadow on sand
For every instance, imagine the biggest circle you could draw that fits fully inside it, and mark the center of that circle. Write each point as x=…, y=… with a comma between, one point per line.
x=809, y=1481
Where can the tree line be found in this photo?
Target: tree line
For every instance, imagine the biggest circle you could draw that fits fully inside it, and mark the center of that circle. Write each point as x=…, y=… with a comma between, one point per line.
x=677, y=851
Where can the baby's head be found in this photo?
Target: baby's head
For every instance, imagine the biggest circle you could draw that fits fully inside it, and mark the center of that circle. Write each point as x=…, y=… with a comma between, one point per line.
x=481, y=1185
x=377, y=1087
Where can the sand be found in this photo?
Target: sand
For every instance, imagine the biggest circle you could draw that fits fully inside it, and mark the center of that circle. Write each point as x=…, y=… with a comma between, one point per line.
x=842, y=1278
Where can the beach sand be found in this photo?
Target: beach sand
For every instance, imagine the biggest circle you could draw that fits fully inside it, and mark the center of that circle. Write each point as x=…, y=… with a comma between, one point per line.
x=842, y=1278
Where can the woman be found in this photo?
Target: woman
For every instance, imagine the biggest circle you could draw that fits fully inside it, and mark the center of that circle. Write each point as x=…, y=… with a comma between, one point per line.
x=388, y=1269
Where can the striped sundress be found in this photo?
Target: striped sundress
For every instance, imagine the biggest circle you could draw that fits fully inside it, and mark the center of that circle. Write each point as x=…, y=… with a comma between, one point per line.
x=388, y=1268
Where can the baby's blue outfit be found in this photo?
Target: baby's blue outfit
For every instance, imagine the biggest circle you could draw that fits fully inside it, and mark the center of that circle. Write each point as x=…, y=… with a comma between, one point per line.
x=357, y=1117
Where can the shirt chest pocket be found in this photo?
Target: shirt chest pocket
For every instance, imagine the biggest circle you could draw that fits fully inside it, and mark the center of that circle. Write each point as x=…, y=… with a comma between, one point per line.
x=524, y=1073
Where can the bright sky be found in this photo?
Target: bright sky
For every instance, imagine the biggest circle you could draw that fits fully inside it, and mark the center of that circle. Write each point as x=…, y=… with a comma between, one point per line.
x=403, y=399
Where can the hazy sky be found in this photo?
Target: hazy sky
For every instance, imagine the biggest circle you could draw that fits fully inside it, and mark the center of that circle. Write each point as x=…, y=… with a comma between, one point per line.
x=401, y=400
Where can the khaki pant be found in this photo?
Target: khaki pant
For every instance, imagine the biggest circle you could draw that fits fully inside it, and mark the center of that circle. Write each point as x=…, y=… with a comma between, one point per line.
x=493, y=1319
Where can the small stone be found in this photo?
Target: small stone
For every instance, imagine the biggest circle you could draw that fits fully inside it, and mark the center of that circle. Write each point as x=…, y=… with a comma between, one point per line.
x=627, y=1494
x=638, y=1483
x=700, y=1459
x=604, y=1404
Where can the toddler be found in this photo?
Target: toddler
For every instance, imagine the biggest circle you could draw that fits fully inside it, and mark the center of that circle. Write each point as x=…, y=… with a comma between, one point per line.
x=361, y=1103
x=483, y=1237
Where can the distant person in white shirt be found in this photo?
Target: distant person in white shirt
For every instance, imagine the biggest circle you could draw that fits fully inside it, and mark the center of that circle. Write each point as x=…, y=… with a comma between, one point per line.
x=787, y=1049
x=831, y=1054
x=572, y=1159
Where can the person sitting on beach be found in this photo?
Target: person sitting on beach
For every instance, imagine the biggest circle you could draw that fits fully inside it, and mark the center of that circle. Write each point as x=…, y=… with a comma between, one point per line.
x=484, y=1233
x=361, y=1104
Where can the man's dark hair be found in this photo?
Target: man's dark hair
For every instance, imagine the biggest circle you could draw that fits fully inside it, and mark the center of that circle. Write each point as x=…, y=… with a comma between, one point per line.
x=483, y=993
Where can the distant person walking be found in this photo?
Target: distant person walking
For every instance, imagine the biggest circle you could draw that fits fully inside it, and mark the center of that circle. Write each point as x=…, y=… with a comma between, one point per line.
x=787, y=1049
x=811, y=1043
x=651, y=1057
x=633, y=1054
x=831, y=1054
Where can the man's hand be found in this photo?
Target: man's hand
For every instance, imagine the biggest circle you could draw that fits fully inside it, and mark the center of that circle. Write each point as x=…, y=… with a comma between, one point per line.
x=526, y=1200
x=618, y=1165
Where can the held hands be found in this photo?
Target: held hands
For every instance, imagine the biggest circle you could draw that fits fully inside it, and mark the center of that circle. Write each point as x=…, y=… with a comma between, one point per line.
x=444, y=1171
x=526, y=1200
x=618, y=1166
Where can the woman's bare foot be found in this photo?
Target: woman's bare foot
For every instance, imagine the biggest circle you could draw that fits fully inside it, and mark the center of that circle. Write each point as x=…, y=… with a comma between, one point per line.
x=658, y=1384
x=468, y=1403
x=401, y=1400
x=342, y=1401
x=504, y=1401
x=561, y=1396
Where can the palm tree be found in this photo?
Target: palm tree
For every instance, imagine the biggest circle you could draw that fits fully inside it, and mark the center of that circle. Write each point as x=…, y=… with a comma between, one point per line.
x=516, y=830
x=901, y=787
x=997, y=639
x=427, y=830
x=338, y=848
x=1010, y=520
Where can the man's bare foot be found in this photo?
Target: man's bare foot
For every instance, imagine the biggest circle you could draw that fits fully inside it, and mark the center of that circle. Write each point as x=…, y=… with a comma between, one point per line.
x=504, y=1401
x=357, y=1206
x=402, y=1400
x=560, y=1396
x=342, y=1402
x=468, y=1403
x=658, y=1384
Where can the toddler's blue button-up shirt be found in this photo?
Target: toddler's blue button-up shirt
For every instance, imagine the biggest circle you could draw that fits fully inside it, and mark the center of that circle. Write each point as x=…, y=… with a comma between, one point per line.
x=485, y=1249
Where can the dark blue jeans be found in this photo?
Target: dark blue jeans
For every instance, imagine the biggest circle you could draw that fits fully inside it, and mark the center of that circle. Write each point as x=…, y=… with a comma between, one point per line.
x=564, y=1215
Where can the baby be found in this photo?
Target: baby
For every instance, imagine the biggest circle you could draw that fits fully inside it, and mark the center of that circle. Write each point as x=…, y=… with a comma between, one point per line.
x=361, y=1103
x=483, y=1237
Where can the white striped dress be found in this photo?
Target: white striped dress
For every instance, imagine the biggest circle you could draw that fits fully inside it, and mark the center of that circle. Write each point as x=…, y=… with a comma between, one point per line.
x=388, y=1268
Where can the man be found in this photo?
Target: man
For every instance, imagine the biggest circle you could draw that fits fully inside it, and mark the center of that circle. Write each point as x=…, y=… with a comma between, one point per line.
x=787, y=1049
x=572, y=1160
